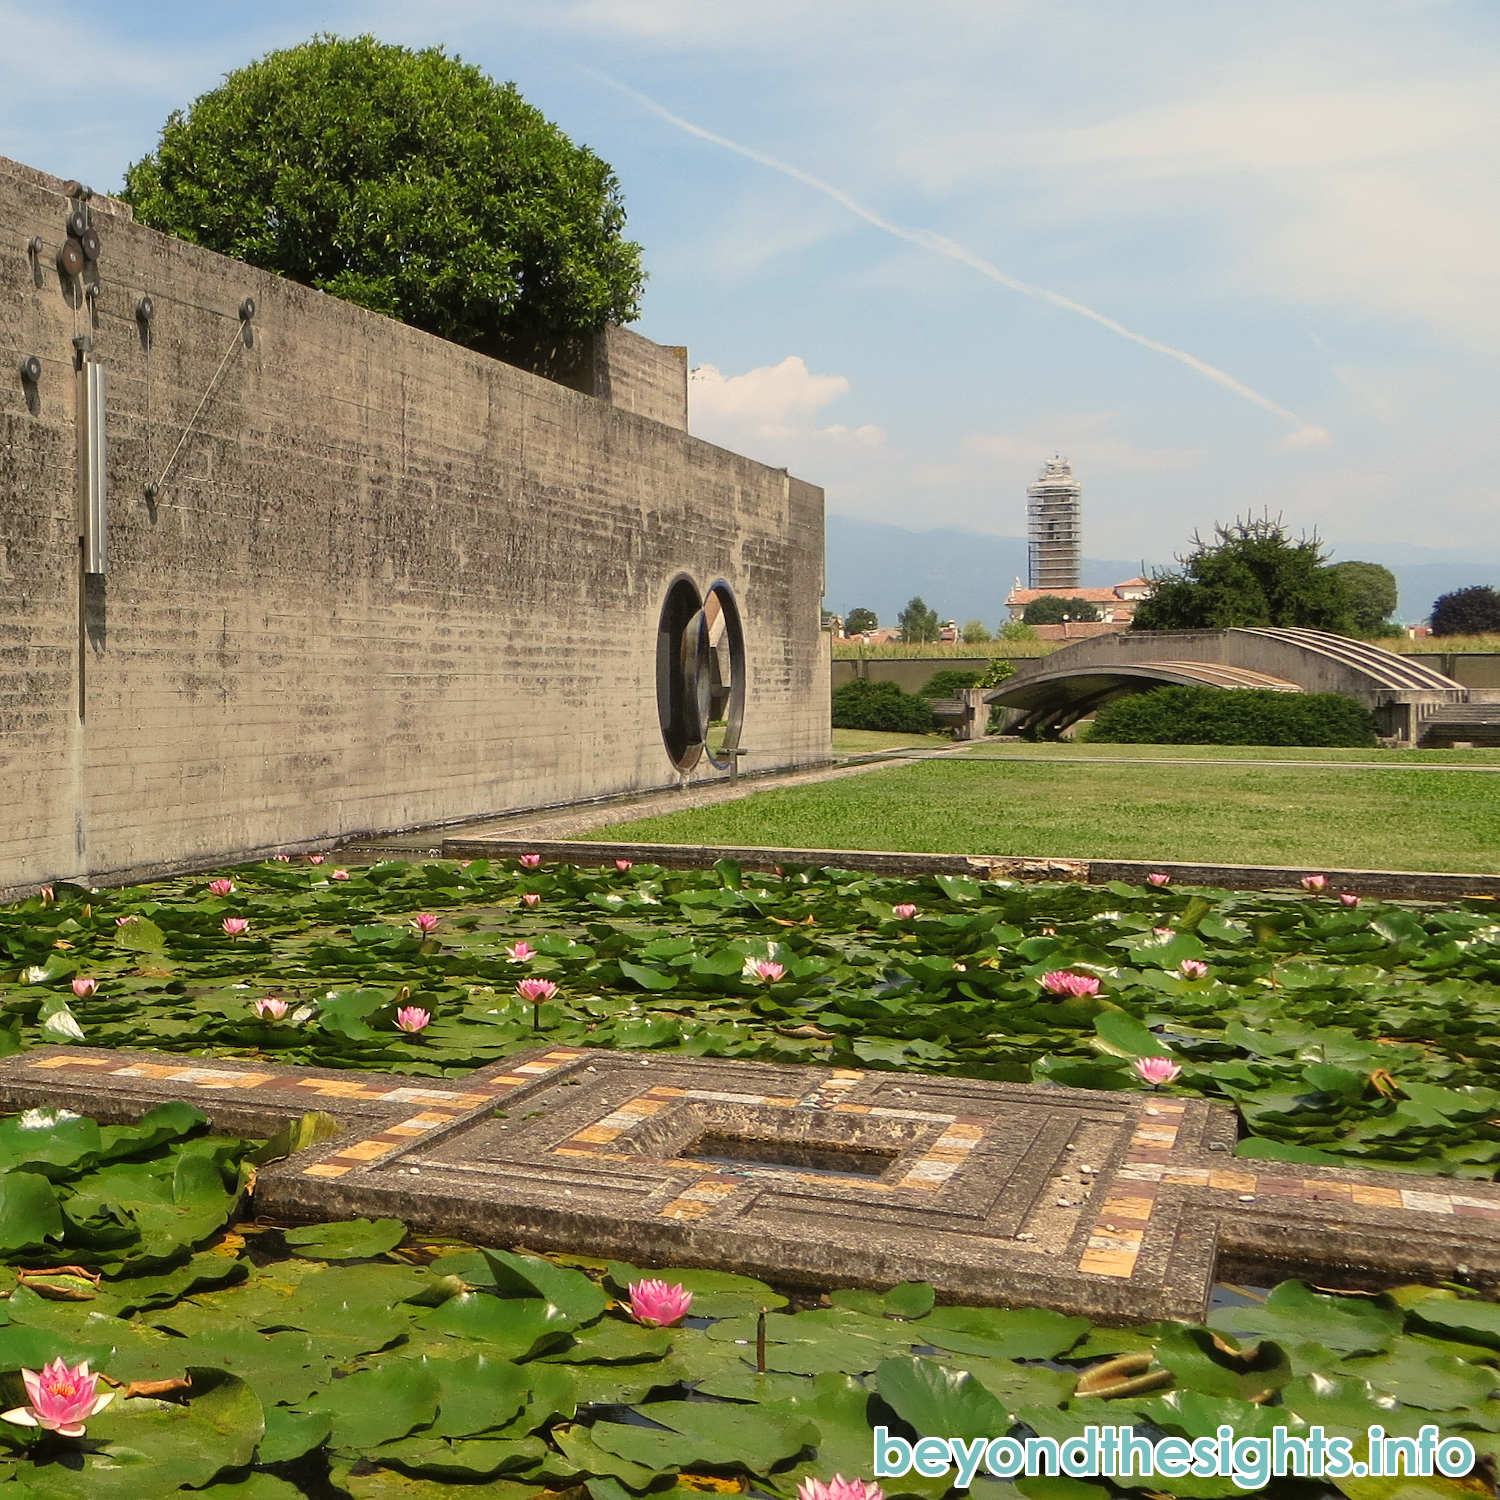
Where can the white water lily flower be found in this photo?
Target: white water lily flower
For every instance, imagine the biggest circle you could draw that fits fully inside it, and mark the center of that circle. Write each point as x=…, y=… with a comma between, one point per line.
x=34, y=975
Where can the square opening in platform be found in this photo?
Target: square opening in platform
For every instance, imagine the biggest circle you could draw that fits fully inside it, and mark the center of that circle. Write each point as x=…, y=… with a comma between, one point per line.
x=828, y=1159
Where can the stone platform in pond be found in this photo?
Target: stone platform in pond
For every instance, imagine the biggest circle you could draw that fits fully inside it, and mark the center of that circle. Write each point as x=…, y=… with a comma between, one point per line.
x=1114, y=1205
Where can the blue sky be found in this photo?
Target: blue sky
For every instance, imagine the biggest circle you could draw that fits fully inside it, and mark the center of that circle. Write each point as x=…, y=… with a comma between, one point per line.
x=1225, y=257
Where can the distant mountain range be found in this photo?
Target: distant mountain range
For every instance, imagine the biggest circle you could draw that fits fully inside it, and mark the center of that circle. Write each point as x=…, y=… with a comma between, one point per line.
x=965, y=575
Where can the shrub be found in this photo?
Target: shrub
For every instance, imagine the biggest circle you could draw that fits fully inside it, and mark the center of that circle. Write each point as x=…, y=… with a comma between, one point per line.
x=1233, y=716
x=880, y=705
x=948, y=683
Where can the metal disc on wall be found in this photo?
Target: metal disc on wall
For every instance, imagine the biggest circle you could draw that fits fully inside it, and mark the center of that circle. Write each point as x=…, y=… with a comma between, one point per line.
x=70, y=257
x=89, y=239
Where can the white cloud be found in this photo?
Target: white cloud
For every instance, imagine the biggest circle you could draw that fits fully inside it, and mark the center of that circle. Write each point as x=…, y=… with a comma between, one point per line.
x=773, y=408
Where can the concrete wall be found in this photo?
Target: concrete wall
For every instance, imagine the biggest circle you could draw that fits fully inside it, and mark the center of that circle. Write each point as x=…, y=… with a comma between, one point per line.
x=384, y=583
x=908, y=673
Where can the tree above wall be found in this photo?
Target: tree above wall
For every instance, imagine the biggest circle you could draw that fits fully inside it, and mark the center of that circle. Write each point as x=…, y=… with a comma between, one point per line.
x=1251, y=574
x=1471, y=611
x=407, y=182
x=1054, y=609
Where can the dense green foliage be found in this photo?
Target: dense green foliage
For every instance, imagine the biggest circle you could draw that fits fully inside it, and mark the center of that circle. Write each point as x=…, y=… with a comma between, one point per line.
x=918, y=621
x=975, y=633
x=1371, y=592
x=1053, y=609
x=1251, y=574
x=859, y=620
x=862, y=704
x=949, y=683
x=1471, y=611
x=348, y=1359
x=1233, y=716
x=407, y=182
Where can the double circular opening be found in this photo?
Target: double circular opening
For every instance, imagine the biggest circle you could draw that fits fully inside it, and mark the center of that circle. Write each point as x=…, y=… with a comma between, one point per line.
x=700, y=674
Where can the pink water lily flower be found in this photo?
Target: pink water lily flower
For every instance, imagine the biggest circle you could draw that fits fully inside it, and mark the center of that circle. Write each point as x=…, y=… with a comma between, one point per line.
x=622, y=865
x=904, y=912
x=839, y=1488
x=282, y=859
x=316, y=859
x=236, y=926
x=1065, y=982
x=767, y=971
x=270, y=1008
x=1158, y=877
x=339, y=875
x=48, y=895
x=84, y=985
x=534, y=991
x=425, y=922
x=531, y=898
x=61, y=1399
x=1314, y=882
x=1348, y=899
x=654, y=1304
x=1155, y=1070
x=221, y=887
x=529, y=861
x=1162, y=932
x=412, y=1018
x=520, y=953
x=126, y=921
x=1193, y=968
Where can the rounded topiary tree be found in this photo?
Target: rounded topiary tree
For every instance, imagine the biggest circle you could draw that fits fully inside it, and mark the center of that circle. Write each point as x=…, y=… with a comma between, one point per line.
x=408, y=182
x=1471, y=611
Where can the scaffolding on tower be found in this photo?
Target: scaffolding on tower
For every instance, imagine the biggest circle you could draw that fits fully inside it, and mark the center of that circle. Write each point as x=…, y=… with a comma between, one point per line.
x=1054, y=527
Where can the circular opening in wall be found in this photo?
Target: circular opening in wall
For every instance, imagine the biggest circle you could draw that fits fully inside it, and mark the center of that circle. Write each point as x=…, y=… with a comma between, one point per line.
x=682, y=674
x=726, y=674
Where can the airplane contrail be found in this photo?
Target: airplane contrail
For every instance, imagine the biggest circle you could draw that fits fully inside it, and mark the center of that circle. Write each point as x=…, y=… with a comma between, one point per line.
x=1305, y=434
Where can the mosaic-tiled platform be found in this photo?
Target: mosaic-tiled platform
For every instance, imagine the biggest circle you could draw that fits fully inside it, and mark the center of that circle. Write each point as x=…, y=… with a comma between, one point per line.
x=1116, y=1205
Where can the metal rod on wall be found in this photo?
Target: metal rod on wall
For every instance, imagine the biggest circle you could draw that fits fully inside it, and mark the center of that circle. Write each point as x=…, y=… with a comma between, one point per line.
x=93, y=477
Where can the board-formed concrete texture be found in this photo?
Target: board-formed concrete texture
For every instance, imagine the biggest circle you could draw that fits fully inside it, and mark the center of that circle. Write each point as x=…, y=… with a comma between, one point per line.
x=382, y=582
x=1113, y=1205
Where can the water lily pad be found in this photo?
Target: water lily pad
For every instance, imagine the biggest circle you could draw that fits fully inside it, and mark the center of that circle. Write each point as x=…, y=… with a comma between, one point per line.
x=1294, y=1313
x=346, y=1239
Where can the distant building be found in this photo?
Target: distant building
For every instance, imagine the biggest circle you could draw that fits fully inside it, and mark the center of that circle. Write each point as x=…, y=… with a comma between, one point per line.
x=1116, y=605
x=1054, y=528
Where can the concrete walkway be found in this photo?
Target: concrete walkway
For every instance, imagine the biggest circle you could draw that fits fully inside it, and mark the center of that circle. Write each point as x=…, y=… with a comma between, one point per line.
x=1117, y=1206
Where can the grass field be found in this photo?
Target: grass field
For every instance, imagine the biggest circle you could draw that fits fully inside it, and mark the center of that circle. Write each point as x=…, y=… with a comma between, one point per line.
x=1240, y=814
x=867, y=741
x=1080, y=750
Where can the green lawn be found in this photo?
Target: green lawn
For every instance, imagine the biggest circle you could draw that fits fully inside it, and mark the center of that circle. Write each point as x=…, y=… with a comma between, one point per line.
x=1237, y=814
x=868, y=741
x=1082, y=750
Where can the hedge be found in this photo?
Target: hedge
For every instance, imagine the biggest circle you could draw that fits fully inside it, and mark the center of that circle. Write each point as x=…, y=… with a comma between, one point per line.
x=1233, y=716
x=862, y=704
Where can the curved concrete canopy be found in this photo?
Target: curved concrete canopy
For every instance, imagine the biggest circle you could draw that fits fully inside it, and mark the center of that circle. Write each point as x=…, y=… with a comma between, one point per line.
x=1057, y=690
x=1063, y=696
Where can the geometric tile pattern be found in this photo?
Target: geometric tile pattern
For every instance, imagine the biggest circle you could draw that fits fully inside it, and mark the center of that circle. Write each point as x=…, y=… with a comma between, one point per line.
x=1117, y=1205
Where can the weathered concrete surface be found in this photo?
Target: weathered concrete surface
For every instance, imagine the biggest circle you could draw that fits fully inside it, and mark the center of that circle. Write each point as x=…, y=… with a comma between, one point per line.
x=1114, y=1205
x=385, y=582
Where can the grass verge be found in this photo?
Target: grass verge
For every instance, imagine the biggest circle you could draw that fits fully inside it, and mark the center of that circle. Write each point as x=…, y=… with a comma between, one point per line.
x=1238, y=814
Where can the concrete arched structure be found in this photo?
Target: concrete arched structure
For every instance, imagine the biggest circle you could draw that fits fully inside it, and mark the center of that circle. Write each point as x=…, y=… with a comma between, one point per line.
x=1055, y=691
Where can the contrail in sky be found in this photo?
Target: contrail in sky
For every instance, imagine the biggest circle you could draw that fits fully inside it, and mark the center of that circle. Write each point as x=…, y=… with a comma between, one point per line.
x=1304, y=435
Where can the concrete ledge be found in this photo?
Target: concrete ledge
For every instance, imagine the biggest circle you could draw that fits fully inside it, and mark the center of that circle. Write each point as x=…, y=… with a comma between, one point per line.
x=1397, y=884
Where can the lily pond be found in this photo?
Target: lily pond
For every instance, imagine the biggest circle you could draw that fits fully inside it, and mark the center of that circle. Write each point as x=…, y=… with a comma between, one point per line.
x=349, y=1361
x=200, y=1351
x=1365, y=1034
